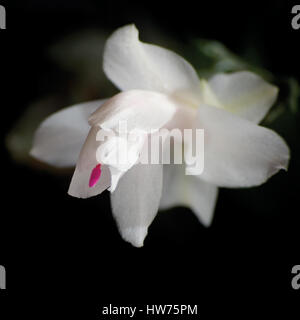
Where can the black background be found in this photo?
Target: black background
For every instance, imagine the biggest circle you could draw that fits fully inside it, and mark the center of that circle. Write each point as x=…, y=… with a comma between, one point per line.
x=64, y=256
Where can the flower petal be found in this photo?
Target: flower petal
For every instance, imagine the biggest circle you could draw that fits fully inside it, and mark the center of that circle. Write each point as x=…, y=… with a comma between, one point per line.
x=138, y=110
x=120, y=155
x=136, y=200
x=87, y=162
x=239, y=153
x=144, y=110
x=59, y=138
x=244, y=93
x=189, y=191
x=132, y=64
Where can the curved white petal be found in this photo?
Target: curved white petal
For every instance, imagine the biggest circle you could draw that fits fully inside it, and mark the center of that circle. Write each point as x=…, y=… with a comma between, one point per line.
x=239, y=153
x=136, y=200
x=59, y=138
x=120, y=154
x=244, y=93
x=131, y=115
x=79, y=186
x=132, y=64
x=111, y=144
x=136, y=109
x=189, y=191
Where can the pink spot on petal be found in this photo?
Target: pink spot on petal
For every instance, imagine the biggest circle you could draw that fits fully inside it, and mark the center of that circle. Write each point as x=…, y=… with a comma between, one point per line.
x=95, y=175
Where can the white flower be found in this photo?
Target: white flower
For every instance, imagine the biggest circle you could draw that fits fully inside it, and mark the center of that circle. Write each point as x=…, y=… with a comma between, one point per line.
x=161, y=89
